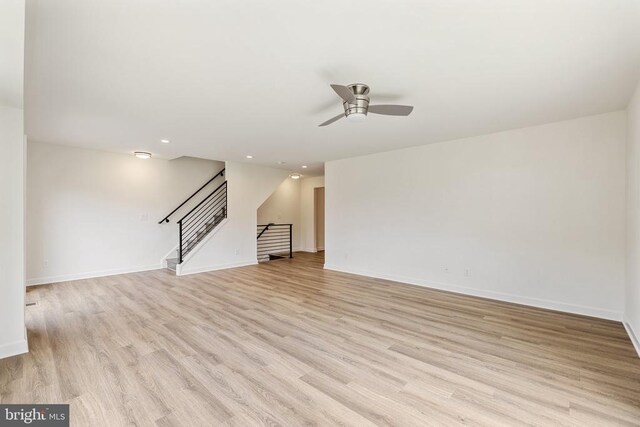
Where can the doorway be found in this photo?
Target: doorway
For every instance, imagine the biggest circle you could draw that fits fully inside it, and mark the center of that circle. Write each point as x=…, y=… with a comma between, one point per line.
x=318, y=204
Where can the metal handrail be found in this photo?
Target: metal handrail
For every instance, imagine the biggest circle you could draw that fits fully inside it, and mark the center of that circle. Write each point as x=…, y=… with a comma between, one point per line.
x=166, y=218
x=203, y=200
x=266, y=227
x=200, y=220
x=282, y=239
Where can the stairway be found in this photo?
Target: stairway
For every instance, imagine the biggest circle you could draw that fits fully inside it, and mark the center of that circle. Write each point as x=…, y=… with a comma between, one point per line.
x=202, y=232
x=172, y=263
x=196, y=225
x=274, y=241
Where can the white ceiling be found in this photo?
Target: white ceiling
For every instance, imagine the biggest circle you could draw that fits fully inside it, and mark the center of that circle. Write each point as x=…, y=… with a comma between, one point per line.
x=227, y=78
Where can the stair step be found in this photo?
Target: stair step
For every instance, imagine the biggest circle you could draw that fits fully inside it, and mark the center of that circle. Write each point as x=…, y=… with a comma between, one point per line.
x=172, y=263
x=199, y=235
x=202, y=233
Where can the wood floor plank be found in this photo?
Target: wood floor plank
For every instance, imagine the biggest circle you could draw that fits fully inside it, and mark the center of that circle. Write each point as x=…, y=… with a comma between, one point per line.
x=289, y=343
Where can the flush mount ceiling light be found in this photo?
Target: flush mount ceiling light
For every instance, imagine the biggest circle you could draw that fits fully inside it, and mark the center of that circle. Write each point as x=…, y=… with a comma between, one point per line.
x=142, y=155
x=304, y=166
x=249, y=157
x=295, y=175
x=355, y=100
x=165, y=141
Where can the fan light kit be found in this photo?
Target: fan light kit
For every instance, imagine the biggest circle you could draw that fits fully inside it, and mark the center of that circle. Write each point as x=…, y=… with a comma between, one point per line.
x=142, y=155
x=355, y=100
x=295, y=175
x=357, y=117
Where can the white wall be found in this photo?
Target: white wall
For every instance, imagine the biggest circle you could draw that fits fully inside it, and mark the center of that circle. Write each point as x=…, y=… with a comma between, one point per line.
x=92, y=213
x=307, y=212
x=12, y=19
x=234, y=242
x=12, y=325
x=13, y=338
x=283, y=207
x=632, y=294
x=534, y=215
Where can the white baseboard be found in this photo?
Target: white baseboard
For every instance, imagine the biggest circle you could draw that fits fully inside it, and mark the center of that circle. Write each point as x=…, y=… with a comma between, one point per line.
x=633, y=336
x=89, y=275
x=312, y=250
x=499, y=296
x=14, y=348
x=179, y=271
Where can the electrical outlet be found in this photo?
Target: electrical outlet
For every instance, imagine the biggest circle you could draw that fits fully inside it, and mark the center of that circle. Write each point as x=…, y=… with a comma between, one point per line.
x=467, y=273
x=45, y=263
x=237, y=251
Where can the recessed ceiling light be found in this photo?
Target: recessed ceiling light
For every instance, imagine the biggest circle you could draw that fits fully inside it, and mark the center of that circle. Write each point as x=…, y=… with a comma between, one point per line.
x=249, y=157
x=142, y=155
x=165, y=141
x=304, y=166
x=295, y=175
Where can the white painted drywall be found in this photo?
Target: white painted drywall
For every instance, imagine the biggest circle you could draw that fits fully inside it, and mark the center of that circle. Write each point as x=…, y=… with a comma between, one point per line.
x=307, y=212
x=12, y=292
x=93, y=213
x=13, y=339
x=234, y=244
x=533, y=215
x=632, y=291
x=283, y=207
x=12, y=29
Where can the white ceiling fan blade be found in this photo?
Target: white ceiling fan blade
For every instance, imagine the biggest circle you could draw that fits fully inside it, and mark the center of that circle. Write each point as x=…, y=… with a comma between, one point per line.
x=331, y=120
x=345, y=93
x=391, y=110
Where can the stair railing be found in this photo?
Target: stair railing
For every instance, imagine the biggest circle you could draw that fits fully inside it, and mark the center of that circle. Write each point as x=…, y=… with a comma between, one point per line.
x=275, y=241
x=204, y=217
x=166, y=218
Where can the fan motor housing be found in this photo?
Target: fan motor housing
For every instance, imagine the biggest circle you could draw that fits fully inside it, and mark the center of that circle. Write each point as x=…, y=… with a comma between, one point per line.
x=361, y=106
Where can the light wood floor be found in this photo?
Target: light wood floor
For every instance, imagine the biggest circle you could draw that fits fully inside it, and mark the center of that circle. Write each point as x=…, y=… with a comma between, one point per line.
x=287, y=343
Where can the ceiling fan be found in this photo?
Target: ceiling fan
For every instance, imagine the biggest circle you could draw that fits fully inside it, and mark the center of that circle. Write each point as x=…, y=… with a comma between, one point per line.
x=355, y=99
